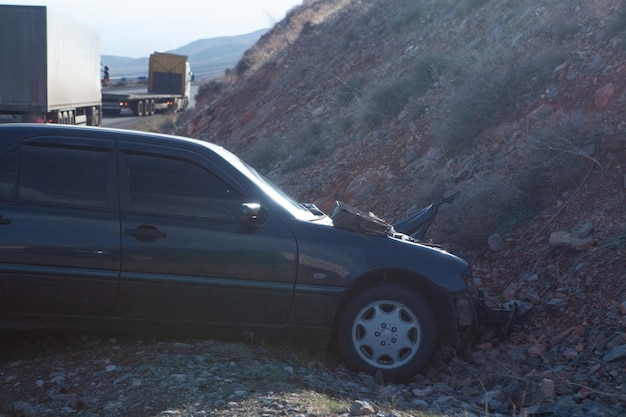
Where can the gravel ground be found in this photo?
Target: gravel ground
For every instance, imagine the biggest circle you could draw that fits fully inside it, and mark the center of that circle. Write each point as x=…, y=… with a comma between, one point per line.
x=43, y=374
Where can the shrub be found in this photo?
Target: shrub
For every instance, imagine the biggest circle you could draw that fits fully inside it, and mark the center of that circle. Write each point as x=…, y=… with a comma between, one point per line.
x=409, y=18
x=385, y=101
x=390, y=98
x=488, y=93
x=245, y=63
x=468, y=5
x=617, y=24
x=304, y=155
x=303, y=148
x=554, y=160
x=211, y=87
x=264, y=154
x=350, y=90
x=480, y=210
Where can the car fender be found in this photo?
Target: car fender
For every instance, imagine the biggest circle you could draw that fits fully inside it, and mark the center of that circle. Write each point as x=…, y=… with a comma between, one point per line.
x=332, y=263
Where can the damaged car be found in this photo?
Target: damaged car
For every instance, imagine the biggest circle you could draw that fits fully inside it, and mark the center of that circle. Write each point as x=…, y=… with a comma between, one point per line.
x=129, y=230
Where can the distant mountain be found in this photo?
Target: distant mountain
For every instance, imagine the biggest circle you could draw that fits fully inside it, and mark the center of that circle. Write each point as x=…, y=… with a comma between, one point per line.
x=208, y=57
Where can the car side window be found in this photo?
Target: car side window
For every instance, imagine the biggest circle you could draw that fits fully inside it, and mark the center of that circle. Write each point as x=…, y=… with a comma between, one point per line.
x=69, y=176
x=173, y=186
x=8, y=175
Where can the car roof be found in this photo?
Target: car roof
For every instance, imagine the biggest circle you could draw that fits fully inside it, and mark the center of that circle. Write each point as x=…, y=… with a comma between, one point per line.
x=13, y=132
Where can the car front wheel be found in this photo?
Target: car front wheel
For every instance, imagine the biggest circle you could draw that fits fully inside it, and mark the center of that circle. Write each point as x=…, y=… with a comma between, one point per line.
x=387, y=328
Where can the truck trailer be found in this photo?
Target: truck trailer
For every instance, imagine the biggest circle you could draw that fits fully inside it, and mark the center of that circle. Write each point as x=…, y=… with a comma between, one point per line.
x=50, y=71
x=169, y=88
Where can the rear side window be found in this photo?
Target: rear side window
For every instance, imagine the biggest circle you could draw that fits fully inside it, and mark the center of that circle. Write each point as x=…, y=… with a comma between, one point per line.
x=172, y=186
x=71, y=176
x=8, y=175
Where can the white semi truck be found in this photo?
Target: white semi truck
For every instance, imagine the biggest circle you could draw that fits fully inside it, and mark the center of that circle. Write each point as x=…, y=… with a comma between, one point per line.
x=49, y=68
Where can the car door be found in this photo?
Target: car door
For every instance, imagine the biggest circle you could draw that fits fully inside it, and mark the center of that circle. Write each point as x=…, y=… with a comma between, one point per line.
x=59, y=227
x=184, y=255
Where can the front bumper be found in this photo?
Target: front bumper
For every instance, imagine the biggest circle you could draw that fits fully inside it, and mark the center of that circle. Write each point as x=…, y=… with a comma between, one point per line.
x=486, y=316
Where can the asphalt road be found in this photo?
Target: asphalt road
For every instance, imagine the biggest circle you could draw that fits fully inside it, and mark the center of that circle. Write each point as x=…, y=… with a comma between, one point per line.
x=127, y=120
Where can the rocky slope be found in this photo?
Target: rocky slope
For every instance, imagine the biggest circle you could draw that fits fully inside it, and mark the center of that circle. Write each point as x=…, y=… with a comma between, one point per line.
x=518, y=105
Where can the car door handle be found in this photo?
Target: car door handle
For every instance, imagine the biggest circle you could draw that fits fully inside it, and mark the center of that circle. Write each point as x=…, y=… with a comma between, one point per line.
x=145, y=233
x=4, y=221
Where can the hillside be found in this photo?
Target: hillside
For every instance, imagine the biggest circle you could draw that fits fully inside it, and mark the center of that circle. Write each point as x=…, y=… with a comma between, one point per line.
x=519, y=106
x=208, y=58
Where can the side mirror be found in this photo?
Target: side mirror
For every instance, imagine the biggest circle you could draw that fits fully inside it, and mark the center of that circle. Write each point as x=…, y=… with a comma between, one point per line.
x=252, y=213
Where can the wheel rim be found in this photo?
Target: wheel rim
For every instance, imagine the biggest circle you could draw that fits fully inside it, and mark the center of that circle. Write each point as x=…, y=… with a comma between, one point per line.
x=386, y=334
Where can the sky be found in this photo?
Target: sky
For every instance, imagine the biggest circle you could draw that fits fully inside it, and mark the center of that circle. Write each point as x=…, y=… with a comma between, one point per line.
x=136, y=28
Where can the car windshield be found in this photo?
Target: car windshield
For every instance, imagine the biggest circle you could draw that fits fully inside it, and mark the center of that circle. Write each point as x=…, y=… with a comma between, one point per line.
x=298, y=210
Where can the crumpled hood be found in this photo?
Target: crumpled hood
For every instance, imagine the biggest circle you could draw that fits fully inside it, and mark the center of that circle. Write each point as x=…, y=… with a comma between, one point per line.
x=349, y=218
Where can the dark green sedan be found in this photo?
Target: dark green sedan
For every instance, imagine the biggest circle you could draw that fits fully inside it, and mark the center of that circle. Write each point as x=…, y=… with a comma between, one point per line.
x=119, y=228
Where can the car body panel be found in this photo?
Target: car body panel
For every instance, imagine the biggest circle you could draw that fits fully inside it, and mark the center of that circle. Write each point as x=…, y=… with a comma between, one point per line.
x=332, y=261
x=345, y=256
x=59, y=262
x=200, y=267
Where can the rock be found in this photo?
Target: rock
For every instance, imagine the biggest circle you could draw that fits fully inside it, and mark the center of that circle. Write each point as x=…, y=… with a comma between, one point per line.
x=570, y=353
x=614, y=354
x=616, y=341
x=410, y=156
x=603, y=95
x=523, y=307
x=179, y=378
x=495, y=242
x=23, y=409
x=495, y=401
x=531, y=295
x=536, y=350
x=614, y=142
x=548, y=389
x=584, y=231
x=532, y=278
x=483, y=346
x=362, y=408
x=510, y=292
x=571, y=241
x=556, y=302
x=111, y=368
x=240, y=393
x=319, y=111
x=421, y=392
x=419, y=404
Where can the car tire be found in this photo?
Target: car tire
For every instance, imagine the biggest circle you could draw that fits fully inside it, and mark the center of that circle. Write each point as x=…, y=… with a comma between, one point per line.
x=388, y=328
